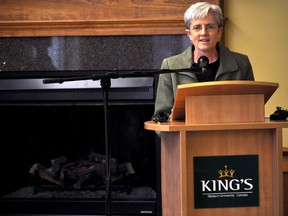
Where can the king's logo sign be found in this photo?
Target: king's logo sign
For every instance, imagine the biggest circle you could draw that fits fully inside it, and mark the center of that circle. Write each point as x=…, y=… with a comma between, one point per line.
x=226, y=181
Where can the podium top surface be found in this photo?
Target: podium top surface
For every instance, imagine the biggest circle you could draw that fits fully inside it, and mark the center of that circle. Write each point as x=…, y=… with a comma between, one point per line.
x=231, y=87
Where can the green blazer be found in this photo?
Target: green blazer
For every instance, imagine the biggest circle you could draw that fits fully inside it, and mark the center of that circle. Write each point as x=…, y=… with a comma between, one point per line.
x=233, y=66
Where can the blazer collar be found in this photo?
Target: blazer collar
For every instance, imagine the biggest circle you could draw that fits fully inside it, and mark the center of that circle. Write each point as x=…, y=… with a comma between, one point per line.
x=227, y=62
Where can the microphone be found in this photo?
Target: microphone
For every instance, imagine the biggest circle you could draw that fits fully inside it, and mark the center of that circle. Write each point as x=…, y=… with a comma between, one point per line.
x=203, y=62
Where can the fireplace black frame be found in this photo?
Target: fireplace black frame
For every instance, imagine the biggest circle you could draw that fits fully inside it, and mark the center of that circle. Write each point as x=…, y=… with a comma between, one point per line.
x=80, y=97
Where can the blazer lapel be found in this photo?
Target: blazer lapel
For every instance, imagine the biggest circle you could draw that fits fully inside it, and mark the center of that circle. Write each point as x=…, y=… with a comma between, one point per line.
x=227, y=62
x=185, y=61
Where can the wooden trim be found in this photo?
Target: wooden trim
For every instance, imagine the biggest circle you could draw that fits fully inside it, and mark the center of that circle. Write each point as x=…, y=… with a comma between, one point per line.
x=87, y=28
x=181, y=125
x=92, y=17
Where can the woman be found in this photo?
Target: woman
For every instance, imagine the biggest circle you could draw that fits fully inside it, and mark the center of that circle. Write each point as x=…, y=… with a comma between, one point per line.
x=204, y=22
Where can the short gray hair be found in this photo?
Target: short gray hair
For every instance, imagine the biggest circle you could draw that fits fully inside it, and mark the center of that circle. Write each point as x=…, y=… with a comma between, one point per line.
x=200, y=10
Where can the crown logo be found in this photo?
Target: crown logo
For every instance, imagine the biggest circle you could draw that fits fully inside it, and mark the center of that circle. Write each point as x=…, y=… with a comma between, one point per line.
x=226, y=173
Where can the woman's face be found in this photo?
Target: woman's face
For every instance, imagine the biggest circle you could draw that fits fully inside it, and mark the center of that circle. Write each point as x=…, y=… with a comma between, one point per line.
x=205, y=33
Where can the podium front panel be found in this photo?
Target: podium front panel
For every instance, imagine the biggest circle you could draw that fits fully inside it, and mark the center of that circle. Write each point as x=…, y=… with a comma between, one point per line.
x=224, y=109
x=235, y=143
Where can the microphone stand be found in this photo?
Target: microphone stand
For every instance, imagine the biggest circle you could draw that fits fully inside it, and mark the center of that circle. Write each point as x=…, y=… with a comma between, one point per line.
x=105, y=82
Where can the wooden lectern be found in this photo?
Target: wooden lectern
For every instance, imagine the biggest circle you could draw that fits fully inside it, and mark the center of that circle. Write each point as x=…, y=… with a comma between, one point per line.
x=219, y=122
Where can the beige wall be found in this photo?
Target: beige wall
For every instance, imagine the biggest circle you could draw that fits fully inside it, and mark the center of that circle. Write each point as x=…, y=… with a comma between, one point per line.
x=259, y=28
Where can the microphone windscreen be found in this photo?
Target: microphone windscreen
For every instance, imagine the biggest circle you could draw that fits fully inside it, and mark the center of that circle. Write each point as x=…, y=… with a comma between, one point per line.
x=203, y=61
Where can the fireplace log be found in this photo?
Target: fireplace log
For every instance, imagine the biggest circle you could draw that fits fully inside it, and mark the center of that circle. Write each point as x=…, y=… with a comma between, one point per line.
x=38, y=170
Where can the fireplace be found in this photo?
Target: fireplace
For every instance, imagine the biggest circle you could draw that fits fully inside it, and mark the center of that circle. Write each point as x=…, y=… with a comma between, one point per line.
x=42, y=123
x=41, y=134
